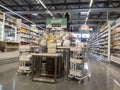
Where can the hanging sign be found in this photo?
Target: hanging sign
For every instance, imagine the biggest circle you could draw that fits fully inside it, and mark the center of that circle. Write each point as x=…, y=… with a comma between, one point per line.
x=56, y=23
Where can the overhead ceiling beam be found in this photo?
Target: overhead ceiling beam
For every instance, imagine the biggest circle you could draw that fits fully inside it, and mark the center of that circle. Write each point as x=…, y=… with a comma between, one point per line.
x=69, y=11
x=53, y=3
x=18, y=5
x=73, y=3
x=4, y=2
x=91, y=20
x=28, y=4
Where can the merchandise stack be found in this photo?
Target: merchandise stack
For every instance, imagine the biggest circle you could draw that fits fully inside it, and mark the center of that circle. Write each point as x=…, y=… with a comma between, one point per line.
x=115, y=41
x=98, y=43
x=27, y=34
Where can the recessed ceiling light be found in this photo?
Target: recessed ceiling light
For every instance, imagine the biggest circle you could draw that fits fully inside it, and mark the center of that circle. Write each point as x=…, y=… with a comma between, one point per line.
x=35, y=14
x=83, y=13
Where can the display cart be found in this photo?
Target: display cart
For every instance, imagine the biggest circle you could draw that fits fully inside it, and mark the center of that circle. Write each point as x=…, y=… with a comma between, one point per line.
x=77, y=61
x=24, y=58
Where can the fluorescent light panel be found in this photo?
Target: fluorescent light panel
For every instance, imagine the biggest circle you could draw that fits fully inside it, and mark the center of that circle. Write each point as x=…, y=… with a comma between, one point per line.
x=83, y=13
x=47, y=11
x=91, y=2
x=39, y=1
x=86, y=19
x=88, y=12
x=43, y=4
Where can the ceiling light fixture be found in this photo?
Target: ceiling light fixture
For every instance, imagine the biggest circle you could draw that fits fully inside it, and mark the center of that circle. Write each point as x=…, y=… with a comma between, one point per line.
x=43, y=4
x=35, y=14
x=86, y=19
x=90, y=5
x=85, y=23
x=47, y=11
x=88, y=12
x=91, y=2
x=83, y=13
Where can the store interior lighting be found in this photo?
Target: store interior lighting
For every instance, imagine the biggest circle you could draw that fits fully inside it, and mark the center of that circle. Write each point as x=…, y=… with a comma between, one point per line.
x=47, y=11
x=40, y=2
x=83, y=13
x=90, y=5
x=88, y=12
x=91, y=2
x=86, y=19
x=35, y=14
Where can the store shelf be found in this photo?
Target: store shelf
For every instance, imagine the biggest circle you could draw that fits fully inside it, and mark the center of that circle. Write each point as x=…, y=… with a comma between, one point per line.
x=99, y=43
x=13, y=47
x=9, y=25
x=115, y=58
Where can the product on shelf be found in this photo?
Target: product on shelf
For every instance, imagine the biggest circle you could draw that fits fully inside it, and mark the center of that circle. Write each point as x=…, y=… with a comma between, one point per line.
x=98, y=43
x=115, y=41
x=27, y=34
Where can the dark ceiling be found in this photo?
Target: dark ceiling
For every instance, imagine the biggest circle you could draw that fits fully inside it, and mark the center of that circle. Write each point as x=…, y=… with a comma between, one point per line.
x=77, y=8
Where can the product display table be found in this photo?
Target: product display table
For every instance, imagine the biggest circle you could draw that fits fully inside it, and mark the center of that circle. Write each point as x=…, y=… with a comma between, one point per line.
x=37, y=66
x=66, y=55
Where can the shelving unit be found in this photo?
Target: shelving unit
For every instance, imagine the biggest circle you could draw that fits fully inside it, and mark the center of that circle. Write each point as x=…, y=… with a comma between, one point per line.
x=1, y=25
x=9, y=50
x=9, y=46
x=8, y=27
x=27, y=33
x=115, y=41
x=98, y=43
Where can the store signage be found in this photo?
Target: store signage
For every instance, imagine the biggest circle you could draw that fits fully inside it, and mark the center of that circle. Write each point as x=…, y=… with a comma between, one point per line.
x=56, y=22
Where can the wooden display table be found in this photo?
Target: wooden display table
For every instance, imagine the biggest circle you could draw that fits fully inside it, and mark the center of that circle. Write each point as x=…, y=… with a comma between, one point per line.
x=37, y=66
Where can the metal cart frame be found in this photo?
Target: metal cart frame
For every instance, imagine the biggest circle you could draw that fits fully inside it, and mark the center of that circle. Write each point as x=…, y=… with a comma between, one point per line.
x=74, y=62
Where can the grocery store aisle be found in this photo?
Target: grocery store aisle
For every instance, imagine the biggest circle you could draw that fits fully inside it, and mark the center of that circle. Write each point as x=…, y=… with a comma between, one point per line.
x=99, y=78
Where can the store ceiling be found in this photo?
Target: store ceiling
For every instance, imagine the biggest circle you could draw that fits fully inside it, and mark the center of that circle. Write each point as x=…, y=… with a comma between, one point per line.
x=77, y=8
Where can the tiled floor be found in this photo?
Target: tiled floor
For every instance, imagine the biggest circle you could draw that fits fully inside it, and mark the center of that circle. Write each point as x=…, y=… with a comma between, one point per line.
x=103, y=77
